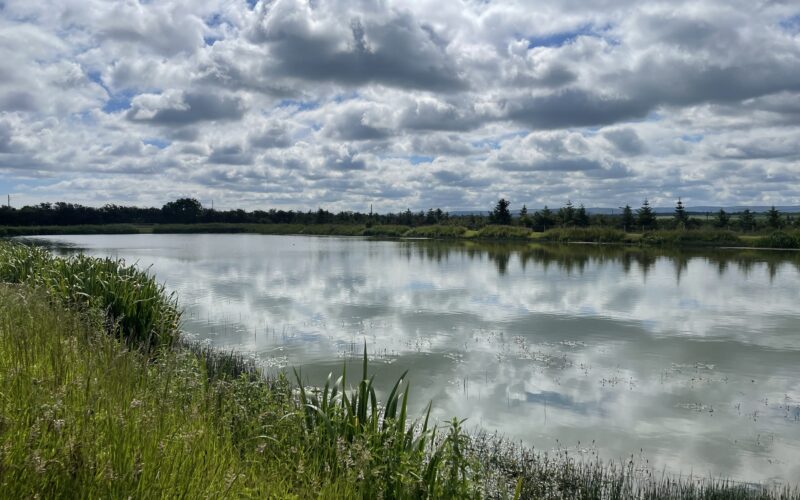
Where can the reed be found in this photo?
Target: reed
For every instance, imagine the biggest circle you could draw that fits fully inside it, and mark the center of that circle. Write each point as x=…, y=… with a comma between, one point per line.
x=437, y=231
x=585, y=235
x=133, y=301
x=702, y=237
x=780, y=239
x=76, y=229
x=504, y=233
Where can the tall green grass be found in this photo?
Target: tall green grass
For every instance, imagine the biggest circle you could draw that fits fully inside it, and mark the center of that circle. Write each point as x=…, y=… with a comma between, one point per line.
x=79, y=229
x=514, y=470
x=704, y=237
x=585, y=234
x=780, y=239
x=405, y=456
x=504, y=233
x=131, y=298
x=437, y=231
x=221, y=227
x=386, y=230
x=82, y=415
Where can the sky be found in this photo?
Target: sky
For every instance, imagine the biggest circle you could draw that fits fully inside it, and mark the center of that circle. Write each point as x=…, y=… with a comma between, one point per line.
x=401, y=104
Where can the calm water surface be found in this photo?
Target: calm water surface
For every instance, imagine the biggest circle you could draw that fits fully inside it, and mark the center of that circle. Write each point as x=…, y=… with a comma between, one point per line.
x=688, y=361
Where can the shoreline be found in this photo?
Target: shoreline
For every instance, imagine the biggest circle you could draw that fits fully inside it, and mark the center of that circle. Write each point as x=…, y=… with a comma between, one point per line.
x=697, y=238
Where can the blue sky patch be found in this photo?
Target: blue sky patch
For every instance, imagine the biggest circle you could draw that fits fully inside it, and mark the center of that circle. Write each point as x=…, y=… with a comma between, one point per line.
x=692, y=138
x=417, y=159
x=791, y=24
x=154, y=141
x=561, y=38
x=300, y=105
x=116, y=101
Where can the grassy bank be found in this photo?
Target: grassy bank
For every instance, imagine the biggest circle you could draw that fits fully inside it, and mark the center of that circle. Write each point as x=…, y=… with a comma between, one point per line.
x=90, y=408
x=789, y=239
x=83, y=415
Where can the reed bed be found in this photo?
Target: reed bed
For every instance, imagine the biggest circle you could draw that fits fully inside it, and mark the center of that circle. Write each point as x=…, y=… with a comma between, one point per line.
x=512, y=470
x=780, y=239
x=437, y=231
x=504, y=233
x=144, y=314
x=705, y=237
x=76, y=229
x=585, y=235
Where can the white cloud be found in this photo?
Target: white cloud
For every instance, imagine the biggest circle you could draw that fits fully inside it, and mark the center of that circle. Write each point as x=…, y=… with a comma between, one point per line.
x=418, y=104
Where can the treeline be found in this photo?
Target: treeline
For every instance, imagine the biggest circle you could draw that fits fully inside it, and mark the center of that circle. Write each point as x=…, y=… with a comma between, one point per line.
x=642, y=219
x=191, y=211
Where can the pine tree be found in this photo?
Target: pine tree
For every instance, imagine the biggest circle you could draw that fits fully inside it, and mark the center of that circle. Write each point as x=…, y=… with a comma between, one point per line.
x=774, y=218
x=645, y=216
x=723, y=219
x=566, y=214
x=628, y=221
x=501, y=214
x=581, y=217
x=681, y=219
x=524, y=220
x=544, y=220
x=747, y=220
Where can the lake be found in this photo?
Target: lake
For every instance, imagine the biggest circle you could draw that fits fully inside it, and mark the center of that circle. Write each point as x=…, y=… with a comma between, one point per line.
x=687, y=361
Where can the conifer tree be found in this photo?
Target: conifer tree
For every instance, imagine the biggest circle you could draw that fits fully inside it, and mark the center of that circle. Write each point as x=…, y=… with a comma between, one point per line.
x=628, y=220
x=722, y=219
x=774, y=218
x=747, y=220
x=544, y=220
x=524, y=220
x=581, y=217
x=501, y=214
x=566, y=214
x=645, y=217
x=681, y=219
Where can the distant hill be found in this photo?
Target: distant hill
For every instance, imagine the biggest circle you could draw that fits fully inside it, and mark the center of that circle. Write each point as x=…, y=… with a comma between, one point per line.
x=700, y=209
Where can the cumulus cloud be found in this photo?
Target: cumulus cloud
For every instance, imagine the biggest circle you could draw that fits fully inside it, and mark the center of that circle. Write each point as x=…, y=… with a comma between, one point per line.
x=184, y=108
x=300, y=103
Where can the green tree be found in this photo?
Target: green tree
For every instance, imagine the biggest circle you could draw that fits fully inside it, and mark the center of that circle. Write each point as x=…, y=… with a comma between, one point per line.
x=581, y=217
x=524, y=219
x=747, y=221
x=544, y=220
x=501, y=214
x=566, y=214
x=774, y=218
x=681, y=219
x=183, y=210
x=645, y=217
x=722, y=219
x=628, y=220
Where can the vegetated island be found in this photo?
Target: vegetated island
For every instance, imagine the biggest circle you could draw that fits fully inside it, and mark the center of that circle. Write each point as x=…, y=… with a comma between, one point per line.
x=642, y=226
x=100, y=396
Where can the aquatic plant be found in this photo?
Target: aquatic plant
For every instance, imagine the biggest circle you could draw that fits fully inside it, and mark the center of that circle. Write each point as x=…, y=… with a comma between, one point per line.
x=585, y=234
x=504, y=232
x=437, y=231
x=132, y=299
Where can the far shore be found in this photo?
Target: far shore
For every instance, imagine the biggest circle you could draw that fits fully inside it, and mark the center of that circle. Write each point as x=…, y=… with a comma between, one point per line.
x=709, y=238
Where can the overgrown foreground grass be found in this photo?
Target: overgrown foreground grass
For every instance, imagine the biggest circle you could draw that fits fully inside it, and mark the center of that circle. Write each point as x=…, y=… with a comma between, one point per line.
x=85, y=411
x=83, y=415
